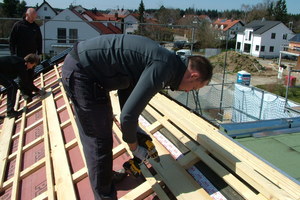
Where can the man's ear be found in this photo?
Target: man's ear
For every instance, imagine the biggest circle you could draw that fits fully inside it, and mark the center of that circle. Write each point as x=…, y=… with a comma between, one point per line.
x=195, y=75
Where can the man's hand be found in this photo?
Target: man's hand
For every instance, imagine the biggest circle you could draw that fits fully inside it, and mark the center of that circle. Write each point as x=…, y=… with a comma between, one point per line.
x=141, y=153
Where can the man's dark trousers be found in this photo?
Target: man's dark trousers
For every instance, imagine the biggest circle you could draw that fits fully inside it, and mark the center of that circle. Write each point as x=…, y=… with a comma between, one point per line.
x=94, y=112
x=11, y=88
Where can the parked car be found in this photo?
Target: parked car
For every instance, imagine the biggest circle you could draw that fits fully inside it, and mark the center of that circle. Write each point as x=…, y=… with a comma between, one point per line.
x=184, y=52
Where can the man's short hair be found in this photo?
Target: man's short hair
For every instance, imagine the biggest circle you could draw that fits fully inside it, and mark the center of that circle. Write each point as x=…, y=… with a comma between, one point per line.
x=32, y=58
x=202, y=65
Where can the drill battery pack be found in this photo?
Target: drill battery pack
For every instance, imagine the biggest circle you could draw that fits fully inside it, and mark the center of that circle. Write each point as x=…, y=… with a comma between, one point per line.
x=132, y=166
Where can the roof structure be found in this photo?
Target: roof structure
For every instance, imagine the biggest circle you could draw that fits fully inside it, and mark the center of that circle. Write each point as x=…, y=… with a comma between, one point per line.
x=42, y=158
x=260, y=26
x=227, y=23
x=99, y=26
x=296, y=38
x=45, y=2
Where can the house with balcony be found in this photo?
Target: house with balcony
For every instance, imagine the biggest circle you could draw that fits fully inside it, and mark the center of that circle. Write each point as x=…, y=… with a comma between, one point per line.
x=262, y=38
x=69, y=27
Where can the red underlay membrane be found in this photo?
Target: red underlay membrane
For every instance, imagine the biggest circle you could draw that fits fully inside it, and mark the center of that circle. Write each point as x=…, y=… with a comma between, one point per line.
x=34, y=182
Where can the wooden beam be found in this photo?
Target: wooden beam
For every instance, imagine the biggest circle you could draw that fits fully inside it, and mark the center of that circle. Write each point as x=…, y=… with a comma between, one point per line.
x=71, y=114
x=5, y=138
x=198, y=152
x=240, y=158
x=16, y=178
x=175, y=176
x=63, y=177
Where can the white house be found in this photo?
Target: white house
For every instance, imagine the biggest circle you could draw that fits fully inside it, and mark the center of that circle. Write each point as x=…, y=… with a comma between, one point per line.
x=45, y=11
x=228, y=26
x=68, y=27
x=261, y=38
x=130, y=24
x=119, y=12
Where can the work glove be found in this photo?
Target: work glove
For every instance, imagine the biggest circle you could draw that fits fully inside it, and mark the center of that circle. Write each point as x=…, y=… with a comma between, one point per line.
x=141, y=153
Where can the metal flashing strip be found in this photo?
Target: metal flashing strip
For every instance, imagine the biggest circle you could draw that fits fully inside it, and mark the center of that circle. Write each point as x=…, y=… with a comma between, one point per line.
x=249, y=129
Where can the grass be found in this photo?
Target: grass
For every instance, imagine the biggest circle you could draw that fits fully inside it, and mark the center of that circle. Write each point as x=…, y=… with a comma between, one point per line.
x=280, y=90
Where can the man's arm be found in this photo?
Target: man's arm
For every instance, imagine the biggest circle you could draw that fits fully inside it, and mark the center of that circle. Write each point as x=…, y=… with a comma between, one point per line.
x=39, y=41
x=13, y=39
x=27, y=82
x=150, y=82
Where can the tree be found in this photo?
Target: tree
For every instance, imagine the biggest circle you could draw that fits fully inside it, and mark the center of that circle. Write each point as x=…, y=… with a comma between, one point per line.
x=280, y=11
x=21, y=8
x=167, y=16
x=141, y=18
x=206, y=36
x=13, y=8
x=141, y=12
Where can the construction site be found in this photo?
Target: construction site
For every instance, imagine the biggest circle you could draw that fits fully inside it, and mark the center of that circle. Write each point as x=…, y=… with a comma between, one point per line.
x=228, y=140
x=255, y=156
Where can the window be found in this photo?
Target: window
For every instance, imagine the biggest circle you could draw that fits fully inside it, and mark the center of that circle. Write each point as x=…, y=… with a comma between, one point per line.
x=284, y=36
x=247, y=48
x=271, y=48
x=257, y=48
x=73, y=35
x=262, y=48
x=47, y=17
x=248, y=35
x=273, y=35
x=61, y=35
x=238, y=45
x=45, y=8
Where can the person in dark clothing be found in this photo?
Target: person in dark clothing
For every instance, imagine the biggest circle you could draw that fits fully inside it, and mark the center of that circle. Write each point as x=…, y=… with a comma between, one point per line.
x=12, y=67
x=26, y=38
x=138, y=68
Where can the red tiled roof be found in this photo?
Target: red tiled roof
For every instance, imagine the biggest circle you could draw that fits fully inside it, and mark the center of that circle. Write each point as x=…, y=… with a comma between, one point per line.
x=114, y=28
x=103, y=17
x=102, y=28
x=226, y=23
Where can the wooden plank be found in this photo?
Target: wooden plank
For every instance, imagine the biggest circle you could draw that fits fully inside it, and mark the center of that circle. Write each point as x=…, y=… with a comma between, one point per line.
x=154, y=182
x=16, y=178
x=139, y=193
x=71, y=114
x=175, y=176
x=5, y=138
x=157, y=188
x=208, y=136
x=118, y=150
x=50, y=193
x=63, y=177
x=201, y=153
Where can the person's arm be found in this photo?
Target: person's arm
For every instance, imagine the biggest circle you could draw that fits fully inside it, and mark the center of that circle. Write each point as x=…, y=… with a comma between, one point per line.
x=151, y=81
x=27, y=82
x=13, y=39
x=39, y=41
x=31, y=85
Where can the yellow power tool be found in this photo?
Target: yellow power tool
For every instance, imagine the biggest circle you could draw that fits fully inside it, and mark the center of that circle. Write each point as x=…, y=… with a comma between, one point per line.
x=132, y=166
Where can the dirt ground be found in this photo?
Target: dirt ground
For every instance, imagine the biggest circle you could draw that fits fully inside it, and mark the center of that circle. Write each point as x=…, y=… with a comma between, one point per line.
x=263, y=71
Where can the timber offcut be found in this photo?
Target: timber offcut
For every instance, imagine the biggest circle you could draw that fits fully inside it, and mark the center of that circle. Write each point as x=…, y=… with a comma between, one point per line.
x=42, y=157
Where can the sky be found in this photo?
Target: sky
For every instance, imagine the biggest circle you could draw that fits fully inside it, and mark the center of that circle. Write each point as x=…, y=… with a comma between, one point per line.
x=293, y=6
